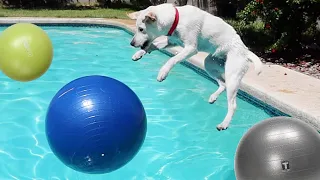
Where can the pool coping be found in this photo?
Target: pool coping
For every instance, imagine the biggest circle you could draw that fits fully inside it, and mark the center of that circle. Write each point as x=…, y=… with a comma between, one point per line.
x=279, y=88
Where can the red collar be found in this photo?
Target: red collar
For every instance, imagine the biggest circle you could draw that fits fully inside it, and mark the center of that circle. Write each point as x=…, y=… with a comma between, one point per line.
x=175, y=23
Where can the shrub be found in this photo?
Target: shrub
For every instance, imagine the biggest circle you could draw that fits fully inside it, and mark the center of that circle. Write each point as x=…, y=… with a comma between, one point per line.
x=288, y=23
x=253, y=34
x=34, y=3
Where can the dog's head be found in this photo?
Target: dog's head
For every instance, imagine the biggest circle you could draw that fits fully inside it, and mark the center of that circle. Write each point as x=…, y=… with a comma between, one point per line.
x=146, y=28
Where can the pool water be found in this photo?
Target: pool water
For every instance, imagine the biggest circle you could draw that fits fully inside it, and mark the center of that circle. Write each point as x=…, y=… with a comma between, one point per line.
x=182, y=142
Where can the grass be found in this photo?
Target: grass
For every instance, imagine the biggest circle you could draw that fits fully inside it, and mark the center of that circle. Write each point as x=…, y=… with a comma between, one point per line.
x=83, y=13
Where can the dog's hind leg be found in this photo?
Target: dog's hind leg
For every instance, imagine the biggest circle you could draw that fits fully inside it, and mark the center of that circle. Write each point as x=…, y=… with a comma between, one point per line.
x=214, y=96
x=233, y=76
x=215, y=67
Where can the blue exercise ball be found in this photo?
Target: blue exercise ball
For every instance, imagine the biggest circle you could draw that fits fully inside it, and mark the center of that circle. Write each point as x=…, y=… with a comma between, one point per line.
x=95, y=124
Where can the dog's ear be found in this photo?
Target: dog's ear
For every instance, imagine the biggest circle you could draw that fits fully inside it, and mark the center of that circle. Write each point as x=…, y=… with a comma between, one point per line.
x=149, y=18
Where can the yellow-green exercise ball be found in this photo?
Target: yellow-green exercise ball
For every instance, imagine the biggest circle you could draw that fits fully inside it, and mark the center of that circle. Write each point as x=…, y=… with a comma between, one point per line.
x=26, y=52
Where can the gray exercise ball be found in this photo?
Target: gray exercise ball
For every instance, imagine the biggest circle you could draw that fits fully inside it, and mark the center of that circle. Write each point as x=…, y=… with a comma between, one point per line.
x=279, y=148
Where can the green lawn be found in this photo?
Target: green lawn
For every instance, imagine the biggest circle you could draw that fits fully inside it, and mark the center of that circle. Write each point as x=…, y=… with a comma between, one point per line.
x=93, y=13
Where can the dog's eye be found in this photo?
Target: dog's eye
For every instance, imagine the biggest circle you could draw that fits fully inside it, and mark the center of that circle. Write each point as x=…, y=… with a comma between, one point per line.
x=140, y=29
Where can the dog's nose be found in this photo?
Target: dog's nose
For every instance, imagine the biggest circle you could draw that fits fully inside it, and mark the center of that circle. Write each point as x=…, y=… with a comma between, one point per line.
x=132, y=43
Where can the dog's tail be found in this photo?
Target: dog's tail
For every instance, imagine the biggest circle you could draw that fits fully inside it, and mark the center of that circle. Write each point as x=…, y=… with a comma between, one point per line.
x=256, y=61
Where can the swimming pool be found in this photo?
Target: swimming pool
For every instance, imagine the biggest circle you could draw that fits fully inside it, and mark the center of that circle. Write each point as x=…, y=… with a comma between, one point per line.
x=182, y=142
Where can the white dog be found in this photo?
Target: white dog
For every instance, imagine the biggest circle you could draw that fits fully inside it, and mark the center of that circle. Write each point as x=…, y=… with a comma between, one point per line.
x=196, y=30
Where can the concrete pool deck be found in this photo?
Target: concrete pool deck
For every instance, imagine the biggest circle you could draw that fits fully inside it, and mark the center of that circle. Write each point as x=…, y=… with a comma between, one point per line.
x=291, y=92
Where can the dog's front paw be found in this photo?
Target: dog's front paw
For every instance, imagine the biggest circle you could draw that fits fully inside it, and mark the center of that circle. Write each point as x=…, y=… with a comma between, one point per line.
x=213, y=98
x=222, y=126
x=138, y=55
x=163, y=73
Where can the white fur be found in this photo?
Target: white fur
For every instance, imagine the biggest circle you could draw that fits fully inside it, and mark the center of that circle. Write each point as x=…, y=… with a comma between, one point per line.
x=197, y=30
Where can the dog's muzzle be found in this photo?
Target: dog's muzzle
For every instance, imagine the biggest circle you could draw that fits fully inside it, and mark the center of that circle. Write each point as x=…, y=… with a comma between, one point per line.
x=145, y=44
x=132, y=43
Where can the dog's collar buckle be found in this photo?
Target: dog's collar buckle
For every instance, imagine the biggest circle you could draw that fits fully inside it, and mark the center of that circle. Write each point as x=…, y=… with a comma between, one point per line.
x=175, y=23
